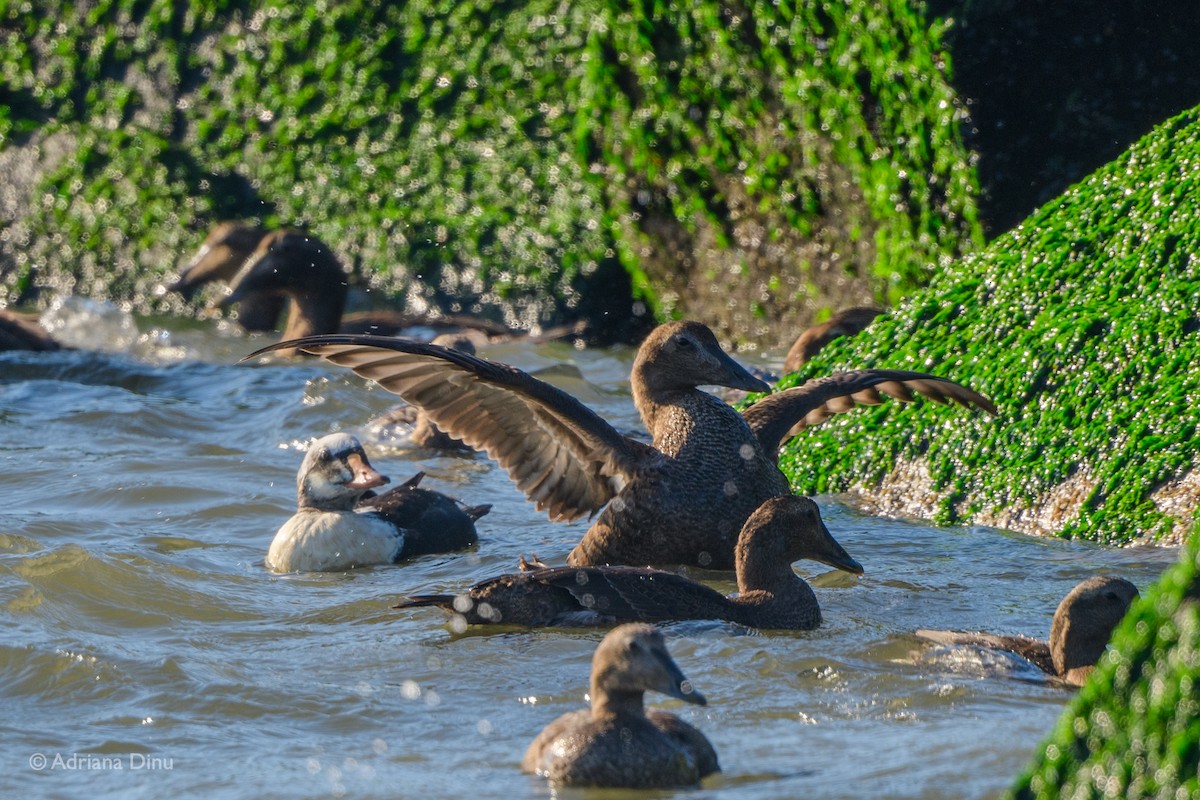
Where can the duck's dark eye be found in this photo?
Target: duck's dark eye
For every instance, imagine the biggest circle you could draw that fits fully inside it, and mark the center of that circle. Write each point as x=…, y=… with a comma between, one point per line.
x=683, y=341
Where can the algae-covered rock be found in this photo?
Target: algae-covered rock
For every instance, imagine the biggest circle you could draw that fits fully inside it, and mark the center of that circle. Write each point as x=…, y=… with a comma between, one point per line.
x=1081, y=324
x=536, y=161
x=1134, y=729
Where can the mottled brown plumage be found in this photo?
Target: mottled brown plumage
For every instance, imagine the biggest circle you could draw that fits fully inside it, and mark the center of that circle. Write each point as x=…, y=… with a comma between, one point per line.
x=770, y=595
x=682, y=500
x=1083, y=624
x=423, y=432
x=616, y=743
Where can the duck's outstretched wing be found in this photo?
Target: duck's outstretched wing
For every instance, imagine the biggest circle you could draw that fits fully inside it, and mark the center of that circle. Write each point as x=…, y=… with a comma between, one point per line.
x=778, y=417
x=560, y=453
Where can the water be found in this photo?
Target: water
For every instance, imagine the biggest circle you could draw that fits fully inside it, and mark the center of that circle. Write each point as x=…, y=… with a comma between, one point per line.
x=148, y=650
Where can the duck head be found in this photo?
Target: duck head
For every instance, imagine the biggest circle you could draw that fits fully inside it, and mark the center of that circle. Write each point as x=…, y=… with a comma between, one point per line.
x=219, y=258
x=680, y=356
x=291, y=263
x=1084, y=622
x=844, y=323
x=781, y=531
x=629, y=661
x=335, y=473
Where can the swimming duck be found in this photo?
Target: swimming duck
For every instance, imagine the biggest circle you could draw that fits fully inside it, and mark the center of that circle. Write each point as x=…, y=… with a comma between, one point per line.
x=303, y=269
x=846, y=322
x=338, y=525
x=681, y=500
x=220, y=256
x=617, y=743
x=20, y=331
x=1083, y=624
x=770, y=595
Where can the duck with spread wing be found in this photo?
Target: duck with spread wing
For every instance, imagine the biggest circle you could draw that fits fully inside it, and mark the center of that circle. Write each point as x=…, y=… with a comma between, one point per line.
x=682, y=499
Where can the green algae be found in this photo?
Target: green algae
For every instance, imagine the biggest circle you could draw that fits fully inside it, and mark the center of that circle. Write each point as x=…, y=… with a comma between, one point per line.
x=1081, y=325
x=1134, y=729
x=473, y=156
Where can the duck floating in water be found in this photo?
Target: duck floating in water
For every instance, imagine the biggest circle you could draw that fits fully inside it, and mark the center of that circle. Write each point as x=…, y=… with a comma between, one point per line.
x=219, y=258
x=847, y=322
x=338, y=525
x=770, y=595
x=20, y=331
x=617, y=743
x=681, y=500
x=304, y=270
x=1083, y=624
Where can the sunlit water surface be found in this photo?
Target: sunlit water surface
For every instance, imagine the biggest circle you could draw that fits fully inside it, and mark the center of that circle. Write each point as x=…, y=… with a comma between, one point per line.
x=141, y=489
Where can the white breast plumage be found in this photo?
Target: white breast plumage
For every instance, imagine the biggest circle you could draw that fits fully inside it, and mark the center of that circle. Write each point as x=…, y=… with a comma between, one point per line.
x=330, y=540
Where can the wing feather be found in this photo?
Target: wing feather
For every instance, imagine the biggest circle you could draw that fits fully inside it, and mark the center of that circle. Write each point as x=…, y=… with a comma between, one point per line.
x=778, y=417
x=560, y=453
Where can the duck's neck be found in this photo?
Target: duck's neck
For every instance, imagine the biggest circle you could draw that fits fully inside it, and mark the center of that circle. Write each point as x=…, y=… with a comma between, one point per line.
x=647, y=398
x=608, y=703
x=315, y=311
x=1076, y=645
x=761, y=561
x=305, y=501
x=769, y=592
x=766, y=574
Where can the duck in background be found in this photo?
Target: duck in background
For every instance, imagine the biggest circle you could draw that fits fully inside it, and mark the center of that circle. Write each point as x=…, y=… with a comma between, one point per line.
x=847, y=322
x=222, y=253
x=308, y=274
x=770, y=595
x=1083, y=624
x=682, y=499
x=340, y=523
x=617, y=743
x=20, y=331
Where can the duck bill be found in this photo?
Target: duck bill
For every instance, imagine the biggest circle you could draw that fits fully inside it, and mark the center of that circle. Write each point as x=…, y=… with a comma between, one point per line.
x=183, y=285
x=249, y=278
x=835, y=555
x=677, y=685
x=229, y=299
x=738, y=377
x=365, y=476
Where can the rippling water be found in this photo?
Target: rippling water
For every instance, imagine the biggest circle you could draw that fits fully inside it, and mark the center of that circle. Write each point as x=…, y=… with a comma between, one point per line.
x=141, y=489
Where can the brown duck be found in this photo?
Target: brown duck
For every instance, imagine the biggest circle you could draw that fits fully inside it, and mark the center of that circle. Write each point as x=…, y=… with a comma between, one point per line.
x=219, y=257
x=1083, y=624
x=306, y=272
x=617, y=743
x=682, y=499
x=847, y=322
x=770, y=595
